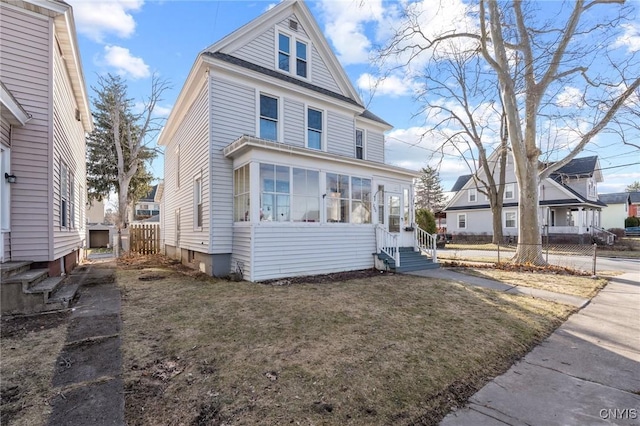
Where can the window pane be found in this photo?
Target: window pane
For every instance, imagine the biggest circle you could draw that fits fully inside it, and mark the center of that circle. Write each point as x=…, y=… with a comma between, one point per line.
x=267, y=178
x=314, y=119
x=283, y=43
x=268, y=129
x=315, y=139
x=301, y=68
x=343, y=186
x=268, y=107
x=301, y=50
x=283, y=61
x=282, y=179
x=282, y=208
x=266, y=207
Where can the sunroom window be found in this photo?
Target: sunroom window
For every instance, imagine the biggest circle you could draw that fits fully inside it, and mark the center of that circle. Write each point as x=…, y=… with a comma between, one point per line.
x=241, y=194
x=274, y=193
x=337, y=198
x=360, y=200
x=306, y=196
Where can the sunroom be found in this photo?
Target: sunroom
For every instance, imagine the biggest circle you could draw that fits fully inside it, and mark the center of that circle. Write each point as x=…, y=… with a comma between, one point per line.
x=300, y=211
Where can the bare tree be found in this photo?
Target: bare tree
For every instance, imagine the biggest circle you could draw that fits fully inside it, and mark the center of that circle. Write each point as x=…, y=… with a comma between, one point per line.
x=130, y=132
x=536, y=60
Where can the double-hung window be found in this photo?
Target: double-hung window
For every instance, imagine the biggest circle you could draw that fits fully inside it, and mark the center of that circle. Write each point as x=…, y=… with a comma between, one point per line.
x=508, y=191
x=197, y=203
x=241, y=194
x=473, y=195
x=359, y=144
x=72, y=202
x=462, y=221
x=301, y=59
x=284, y=51
x=509, y=219
x=64, y=195
x=314, y=129
x=268, y=117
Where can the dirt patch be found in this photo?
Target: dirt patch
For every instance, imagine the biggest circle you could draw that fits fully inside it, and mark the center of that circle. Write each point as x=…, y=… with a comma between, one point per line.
x=90, y=359
x=328, y=278
x=19, y=326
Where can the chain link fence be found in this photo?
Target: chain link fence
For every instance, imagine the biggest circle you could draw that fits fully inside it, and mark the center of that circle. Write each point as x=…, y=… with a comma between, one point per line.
x=579, y=257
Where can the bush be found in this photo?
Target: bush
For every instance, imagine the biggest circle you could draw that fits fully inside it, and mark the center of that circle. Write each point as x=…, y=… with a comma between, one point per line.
x=426, y=220
x=618, y=232
x=631, y=222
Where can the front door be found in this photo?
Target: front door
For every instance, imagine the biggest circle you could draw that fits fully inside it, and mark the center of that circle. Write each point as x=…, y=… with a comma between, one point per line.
x=398, y=217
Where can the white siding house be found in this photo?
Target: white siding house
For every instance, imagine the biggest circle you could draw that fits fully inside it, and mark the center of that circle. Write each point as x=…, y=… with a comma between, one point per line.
x=273, y=167
x=569, y=208
x=45, y=116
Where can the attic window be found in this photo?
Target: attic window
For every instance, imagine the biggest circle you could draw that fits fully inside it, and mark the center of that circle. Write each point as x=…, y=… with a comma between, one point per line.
x=293, y=54
x=293, y=25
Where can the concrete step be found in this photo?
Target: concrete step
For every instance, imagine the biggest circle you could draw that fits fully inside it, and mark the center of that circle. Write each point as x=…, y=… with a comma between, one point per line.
x=10, y=269
x=46, y=286
x=62, y=297
x=28, y=278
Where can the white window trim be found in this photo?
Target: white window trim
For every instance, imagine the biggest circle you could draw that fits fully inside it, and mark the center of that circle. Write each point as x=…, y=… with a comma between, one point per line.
x=279, y=125
x=323, y=138
x=513, y=191
x=5, y=201
x=474, y=192
x=364, y=144
x=293, y=38
x=504, y=219
x=458, y=221
x=196, y=179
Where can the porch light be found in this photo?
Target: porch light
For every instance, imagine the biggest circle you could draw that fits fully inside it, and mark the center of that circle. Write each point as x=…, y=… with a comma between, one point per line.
x=10, y=178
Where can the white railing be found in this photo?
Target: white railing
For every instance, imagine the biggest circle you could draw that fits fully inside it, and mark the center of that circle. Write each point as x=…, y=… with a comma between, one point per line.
x=388, y=244
x=609, y=237
x=425, y=243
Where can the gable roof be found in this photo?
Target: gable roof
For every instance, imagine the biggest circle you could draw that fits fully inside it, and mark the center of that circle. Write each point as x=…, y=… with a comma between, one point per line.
x=614, y=198
x=461, y=182
x=634, y=197
x=151, y=195
x=279, y=12
x=580, y=167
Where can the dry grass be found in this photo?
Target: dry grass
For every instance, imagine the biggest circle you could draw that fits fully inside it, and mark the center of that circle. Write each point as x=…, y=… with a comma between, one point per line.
x=383, y=350
x=30, y=346
x=558, y=283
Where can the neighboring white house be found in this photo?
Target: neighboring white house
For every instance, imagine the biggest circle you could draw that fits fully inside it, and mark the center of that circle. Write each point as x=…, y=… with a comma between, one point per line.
x=273, y=167
x=617, y=209
x=147, y=209
x=45, y=116
x=568, y=203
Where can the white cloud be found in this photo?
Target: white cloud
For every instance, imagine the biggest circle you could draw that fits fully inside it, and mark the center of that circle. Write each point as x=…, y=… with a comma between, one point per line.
x=121, y=59
x=158, y=112
x=393, y=86
x=571, y=97
x=96, y=19
x=630, y=38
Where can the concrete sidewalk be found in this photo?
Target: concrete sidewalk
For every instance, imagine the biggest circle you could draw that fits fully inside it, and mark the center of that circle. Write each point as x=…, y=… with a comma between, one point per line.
x=586, y=373
x=88, y=377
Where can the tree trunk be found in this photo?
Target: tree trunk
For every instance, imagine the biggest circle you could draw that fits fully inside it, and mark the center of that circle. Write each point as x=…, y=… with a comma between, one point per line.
x=529, y=236
x=496, y=212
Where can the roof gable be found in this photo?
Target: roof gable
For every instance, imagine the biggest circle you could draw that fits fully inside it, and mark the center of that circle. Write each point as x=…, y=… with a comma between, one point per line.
x=307, y=28
x=581, y=168
x=615, y=198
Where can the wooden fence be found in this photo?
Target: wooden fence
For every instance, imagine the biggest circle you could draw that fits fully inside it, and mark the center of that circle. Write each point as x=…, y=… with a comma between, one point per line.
x=145, y=238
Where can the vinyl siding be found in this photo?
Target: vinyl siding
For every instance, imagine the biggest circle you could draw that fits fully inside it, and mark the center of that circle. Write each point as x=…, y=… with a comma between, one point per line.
x=25, y=67
x=259, y=51
x=285, y=24
x=241, y=256
x=478, y=222
x=294, y=132
x=320, y=74
x=233, y=114
x=374, y=146
x=613, y=216
x=550, y=191
x=340, y=134
x=290, y=250
x=192, y=136
x=68, y=146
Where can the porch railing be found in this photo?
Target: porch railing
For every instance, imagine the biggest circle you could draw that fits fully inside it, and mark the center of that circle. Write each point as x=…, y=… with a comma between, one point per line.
x=388, y=244
x=425, y=243
x=609, y=237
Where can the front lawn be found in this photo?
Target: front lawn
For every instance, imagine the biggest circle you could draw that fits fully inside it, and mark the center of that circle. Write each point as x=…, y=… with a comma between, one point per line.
x=387, y=349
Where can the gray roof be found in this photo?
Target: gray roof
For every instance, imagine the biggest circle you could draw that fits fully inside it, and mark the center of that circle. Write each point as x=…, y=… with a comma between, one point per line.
x=151, y=195
x=584, y=166
x=614, y=198
x=462, y=181
x=271, y=73
x=635, y=197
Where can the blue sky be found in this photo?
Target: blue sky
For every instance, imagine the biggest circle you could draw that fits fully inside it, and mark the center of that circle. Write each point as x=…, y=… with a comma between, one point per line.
x=135, y=38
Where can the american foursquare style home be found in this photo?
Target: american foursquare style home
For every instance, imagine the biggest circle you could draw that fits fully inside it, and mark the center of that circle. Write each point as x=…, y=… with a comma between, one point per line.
x=45, y=116
x=274, y=168
x=569, y=207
